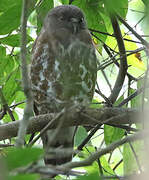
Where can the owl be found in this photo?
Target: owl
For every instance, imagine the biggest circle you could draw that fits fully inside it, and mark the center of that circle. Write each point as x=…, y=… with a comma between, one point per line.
x=63, y=74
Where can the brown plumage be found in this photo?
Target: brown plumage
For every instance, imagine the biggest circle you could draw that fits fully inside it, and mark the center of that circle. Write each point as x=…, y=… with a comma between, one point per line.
x=63, y=72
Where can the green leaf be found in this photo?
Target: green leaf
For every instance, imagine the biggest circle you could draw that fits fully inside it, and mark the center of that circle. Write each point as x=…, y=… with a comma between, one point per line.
x=6, y=4
x=64, y=1
x=107, y=21
x=120, y=99
x=7, y=117
x=136, y=101
x=13, y=40
x=80, y=135
x=106, y=167
x=146, y=2
x=92, y=13
x=86, y=153
x=130, y=163
x=112, y=134
x=92, y=168
x=42, y=11
x=33, y=19
x=10, y=19
x=18, y=157
x=2, y=51
x=11, y=16
x=120, y=7
x=11, y=86
x=6, y=67
x=24, y=177
x=19, y=97
x=95, y=104
x=140, y=6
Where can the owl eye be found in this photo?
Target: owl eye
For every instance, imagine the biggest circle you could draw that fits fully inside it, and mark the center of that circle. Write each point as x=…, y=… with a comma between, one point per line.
x=81, y=20
x=61, y=18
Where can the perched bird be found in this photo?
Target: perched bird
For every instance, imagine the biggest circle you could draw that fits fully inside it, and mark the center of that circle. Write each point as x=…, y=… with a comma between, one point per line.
x=63, y=73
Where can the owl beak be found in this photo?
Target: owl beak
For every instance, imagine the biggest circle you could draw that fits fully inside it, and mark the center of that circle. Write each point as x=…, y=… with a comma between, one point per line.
x=75, y=24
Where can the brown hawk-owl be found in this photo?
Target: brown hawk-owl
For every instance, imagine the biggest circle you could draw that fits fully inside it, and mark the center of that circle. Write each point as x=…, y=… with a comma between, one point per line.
x=63, y=71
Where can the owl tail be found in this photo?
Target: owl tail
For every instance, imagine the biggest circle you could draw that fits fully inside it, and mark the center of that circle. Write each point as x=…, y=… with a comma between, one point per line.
x=58, y=145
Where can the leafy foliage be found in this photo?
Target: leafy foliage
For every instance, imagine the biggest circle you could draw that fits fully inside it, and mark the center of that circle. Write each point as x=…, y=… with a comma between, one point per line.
x=42, y=10
x=112, y=134
x=10, y=17
x=13, y=40
x=14, y=156
x=24, y=177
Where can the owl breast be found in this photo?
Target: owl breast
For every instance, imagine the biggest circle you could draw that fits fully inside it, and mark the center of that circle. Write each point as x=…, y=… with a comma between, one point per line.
x=66, y=77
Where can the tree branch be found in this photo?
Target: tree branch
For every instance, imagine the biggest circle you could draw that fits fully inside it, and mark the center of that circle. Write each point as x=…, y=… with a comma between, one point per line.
x=107, y=63
x=100, y=152
x=87, y=116
x=123, y=61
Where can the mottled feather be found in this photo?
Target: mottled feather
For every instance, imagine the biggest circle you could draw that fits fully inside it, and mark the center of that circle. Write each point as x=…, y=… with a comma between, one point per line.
x=63, y=70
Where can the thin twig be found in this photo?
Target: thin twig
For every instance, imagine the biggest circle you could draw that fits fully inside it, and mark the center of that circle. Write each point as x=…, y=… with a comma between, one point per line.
x=114, y=60
x=101, y=152
x=5, y=106
x=143, y=41
x=108, y=103
x=107, y=63
x=17, y=104
x=107, y=34
x=85, y=141
x=99, y=165
x=6, y=145
x=25, y=78
x=127, y=128
x=117, y=164
x=137, y=92
x=46, y=128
